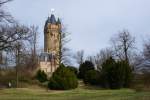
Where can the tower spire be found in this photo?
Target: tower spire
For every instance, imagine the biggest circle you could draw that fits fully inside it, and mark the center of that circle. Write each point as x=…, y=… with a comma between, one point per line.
x=58, y=21
x=52, y=10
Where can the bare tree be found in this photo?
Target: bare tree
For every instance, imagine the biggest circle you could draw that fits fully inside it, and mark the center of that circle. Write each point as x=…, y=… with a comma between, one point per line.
x=14, y=39
x=33, y=45
x=20, y=36
x=4, y=1
x=123, y=45
x=18, y=50
x=102, y=56
x=19, y=53
x=4, y=18
x=146, y=51
x=4, y=15
x=63, y=49
x=142, y=61
x=79, y=57
x=29, y=50
x=10, y=34
x=90, y=58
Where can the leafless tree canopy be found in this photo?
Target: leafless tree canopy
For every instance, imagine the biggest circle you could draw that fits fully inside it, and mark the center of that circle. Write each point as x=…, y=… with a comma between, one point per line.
x=100, y=57
x=79, y=57
x=64, y=53
x=4, y=1
x=33, y=60
x=4, y=15
x=142, y=60
x=10, y=30
x=33, y=40
x=9, y=35
x=18, y=41
x=123, y=44
x=146, y=51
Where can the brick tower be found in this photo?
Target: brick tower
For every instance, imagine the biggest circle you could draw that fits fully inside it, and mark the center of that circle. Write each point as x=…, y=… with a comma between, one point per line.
x=51, y=35
x=49, y=59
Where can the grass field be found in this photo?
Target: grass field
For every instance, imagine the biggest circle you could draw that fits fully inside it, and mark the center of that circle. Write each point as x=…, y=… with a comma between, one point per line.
x=77, y=94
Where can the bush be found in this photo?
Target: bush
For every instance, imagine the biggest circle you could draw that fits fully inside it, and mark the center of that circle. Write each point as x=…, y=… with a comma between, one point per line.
x=141, y=82
x=127, y=75
x=115, y=75
x=84, y=67
x=41, y=76
x=73, y=69
x=146, y=79
x=6, y=77
x=63, y=79
x=91, y=77
x=105, y=77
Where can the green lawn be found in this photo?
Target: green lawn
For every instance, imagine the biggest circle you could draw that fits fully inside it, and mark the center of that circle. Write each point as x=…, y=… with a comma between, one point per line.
x=77, y=94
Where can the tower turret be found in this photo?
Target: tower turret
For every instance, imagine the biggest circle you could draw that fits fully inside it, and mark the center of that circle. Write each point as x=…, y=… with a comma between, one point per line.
x=59, y=24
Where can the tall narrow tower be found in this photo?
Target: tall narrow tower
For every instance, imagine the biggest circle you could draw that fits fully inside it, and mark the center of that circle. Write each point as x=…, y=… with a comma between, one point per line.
x=52, y=31
x=49, y=59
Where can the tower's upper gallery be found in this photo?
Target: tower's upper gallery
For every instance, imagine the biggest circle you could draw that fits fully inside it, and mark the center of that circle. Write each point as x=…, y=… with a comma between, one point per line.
x=52, y=24
x=52, y=20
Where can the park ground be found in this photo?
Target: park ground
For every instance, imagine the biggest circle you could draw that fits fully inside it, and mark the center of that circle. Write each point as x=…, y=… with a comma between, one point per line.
x=35, y=93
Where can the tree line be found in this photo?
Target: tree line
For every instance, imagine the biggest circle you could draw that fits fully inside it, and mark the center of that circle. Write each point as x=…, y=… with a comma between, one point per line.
x=113, y=67
x=118, y=66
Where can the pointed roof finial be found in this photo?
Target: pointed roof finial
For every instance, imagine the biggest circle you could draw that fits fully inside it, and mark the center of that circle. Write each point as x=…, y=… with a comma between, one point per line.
x=52, y=10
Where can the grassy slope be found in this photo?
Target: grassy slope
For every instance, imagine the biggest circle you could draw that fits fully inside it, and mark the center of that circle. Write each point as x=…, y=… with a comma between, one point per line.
x=77, y=94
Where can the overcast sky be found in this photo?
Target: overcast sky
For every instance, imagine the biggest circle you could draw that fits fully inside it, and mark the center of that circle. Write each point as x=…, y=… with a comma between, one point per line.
x=91, y=22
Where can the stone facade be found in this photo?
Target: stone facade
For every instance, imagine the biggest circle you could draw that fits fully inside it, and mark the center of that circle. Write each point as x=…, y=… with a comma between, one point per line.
x=49, y=60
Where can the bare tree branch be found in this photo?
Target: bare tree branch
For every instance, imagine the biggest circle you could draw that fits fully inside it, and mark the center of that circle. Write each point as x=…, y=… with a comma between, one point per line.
x=9, y=35
x=79, y=57
x=123, y=44
x=4, y=1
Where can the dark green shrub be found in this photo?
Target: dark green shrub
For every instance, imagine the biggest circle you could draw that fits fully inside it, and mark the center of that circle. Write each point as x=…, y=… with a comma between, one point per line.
x=73, y=69
x=84, y=67
x=91, y=77
x=128, y=75
x=115, y=75
x=41, y=76
x=105, y=77
x=63, y=79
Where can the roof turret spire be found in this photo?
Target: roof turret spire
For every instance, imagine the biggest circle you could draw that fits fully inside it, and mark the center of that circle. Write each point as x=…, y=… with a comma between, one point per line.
x=52, y=19
x=58, y=21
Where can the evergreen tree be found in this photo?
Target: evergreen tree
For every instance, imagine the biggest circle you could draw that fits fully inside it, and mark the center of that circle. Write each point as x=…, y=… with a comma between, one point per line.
x=63, y=79
x=41, y=76
x=73, y=69
x=115, y=74
x=84, y=67
x=91, y=77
